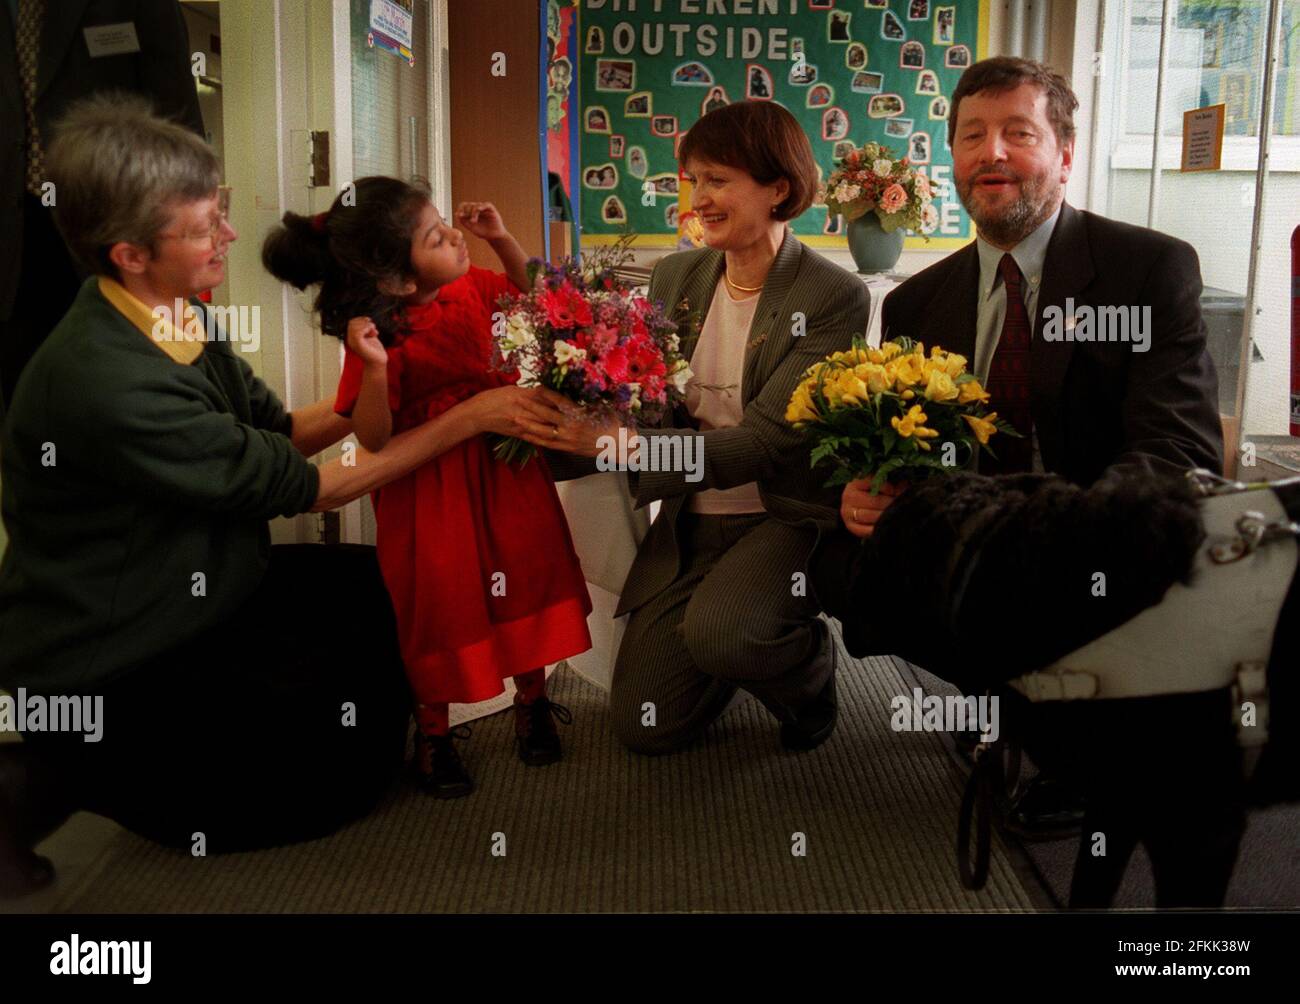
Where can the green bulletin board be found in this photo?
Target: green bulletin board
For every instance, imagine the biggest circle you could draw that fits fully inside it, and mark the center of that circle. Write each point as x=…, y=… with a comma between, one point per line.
x=649, y=69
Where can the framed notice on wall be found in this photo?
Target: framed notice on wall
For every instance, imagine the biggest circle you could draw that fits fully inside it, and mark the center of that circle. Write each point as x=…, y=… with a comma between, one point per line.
x=850, y=71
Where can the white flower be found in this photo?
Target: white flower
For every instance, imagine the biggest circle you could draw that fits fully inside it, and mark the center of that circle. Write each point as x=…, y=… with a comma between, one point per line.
x=929, y=218
x=883, y=167
x=565, y=353
x=681, y=375
x=526, y=363
x=674, y=343
x=846, y=192
x=519, y=331
x=923, y=187
x=635, y=400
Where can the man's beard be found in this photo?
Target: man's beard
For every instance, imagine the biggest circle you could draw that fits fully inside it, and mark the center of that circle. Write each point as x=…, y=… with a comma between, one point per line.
x=1012, y=223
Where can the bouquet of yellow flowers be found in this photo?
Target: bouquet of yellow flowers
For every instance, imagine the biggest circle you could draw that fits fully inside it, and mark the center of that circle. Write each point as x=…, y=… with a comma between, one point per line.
x=893, y=413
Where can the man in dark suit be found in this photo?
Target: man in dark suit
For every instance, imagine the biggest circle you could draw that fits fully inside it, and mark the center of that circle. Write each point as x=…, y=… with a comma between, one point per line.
x=64, y=50
x=1019, y=302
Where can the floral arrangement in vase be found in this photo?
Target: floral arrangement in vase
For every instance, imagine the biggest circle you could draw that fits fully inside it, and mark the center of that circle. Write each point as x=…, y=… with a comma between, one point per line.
x=871, y=180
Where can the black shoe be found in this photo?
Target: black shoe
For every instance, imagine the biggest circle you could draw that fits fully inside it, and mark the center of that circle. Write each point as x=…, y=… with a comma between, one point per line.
x=442, y=774
x=814, y=722
x=535, y=737
x=1049, y=808
x=23, y=872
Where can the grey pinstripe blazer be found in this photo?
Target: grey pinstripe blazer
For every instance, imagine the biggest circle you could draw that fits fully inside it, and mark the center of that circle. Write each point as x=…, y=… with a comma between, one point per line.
x=763, y=447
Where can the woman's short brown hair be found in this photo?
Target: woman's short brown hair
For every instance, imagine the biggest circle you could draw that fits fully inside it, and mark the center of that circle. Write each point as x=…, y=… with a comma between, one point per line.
x=1006, y=73
x=119, y=170
x=762, y=138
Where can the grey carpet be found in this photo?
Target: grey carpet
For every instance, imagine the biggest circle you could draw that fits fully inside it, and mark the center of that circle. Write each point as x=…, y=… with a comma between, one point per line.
x=610, y=831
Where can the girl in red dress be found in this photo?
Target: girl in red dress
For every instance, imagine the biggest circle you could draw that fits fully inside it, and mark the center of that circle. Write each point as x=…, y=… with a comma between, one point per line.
x=475, y=552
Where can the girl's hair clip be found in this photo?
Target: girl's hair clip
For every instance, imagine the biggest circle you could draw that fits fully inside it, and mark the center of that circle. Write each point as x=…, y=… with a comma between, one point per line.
x=318, y=222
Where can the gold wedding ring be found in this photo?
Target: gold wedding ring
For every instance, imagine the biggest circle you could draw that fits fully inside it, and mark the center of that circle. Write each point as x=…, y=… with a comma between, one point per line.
x=855, y=515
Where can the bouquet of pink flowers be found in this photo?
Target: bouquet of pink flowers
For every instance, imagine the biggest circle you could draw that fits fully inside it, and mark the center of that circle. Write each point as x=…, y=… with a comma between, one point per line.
x=584, y=333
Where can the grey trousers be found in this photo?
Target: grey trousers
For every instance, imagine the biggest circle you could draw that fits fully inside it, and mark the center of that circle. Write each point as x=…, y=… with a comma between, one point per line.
x=738, y=615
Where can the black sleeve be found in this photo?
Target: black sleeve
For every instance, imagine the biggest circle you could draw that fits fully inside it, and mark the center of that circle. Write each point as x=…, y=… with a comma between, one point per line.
x=166, y=77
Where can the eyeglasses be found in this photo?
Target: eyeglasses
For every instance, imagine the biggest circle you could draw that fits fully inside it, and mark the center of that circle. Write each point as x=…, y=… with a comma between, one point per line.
x=213, y=232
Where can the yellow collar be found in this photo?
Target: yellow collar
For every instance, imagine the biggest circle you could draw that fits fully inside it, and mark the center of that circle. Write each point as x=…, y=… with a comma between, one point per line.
x=184, y=345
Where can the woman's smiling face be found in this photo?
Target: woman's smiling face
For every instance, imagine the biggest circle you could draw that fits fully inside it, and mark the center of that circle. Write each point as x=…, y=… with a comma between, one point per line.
x=735, y=209
x=438, y=251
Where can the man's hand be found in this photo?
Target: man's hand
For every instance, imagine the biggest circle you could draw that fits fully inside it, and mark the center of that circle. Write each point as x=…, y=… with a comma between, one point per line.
x=860, y=510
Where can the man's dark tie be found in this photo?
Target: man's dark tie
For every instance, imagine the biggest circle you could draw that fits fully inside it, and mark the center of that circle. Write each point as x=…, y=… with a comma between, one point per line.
x=27, y=38
x=1008, y=383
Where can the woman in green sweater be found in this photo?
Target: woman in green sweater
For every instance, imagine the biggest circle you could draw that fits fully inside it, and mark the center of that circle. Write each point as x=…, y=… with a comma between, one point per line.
x=228, y=694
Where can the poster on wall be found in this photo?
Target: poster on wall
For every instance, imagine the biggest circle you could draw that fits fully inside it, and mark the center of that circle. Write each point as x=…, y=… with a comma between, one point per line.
x=850, y=72
x=390, y=27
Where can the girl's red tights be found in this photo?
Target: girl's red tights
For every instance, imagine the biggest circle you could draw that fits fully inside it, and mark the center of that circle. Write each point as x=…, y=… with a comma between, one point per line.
x=432, y=719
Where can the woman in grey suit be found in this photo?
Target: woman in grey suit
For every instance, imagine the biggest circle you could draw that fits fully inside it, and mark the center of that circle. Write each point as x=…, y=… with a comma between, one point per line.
x=717, y=594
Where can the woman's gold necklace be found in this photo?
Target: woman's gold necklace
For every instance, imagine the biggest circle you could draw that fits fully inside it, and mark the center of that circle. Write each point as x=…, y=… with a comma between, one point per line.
x=743, y=289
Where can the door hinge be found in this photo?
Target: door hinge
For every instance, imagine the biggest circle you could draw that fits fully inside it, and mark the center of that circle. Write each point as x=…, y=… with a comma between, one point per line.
x=320, y=158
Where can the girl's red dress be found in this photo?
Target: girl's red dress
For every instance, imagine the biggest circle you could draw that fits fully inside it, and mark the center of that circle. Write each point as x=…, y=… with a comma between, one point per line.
x=475, y=552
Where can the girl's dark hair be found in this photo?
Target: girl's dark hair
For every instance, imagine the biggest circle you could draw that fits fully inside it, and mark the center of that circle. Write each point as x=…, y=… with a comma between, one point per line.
x=365, y=238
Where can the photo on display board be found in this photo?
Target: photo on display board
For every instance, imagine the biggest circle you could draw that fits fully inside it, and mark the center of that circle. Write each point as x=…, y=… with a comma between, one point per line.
x=615, y=75
x=802, y=74
x=758, y=83
x=927, y=83
x=595, y=41
x=616, y=146
x=957, y=56
x=835, y=124
x=670, y=215
x=842, y=149
x=559, y=74
x=692, y=75
x=796, y=48
x=855, y=56
x=636, y=161
x=867, y=83
x=901, y=128
x=715, y=99
x=876, y=4
x=891, y=29
x=918, y=10
x=918, y=151
x=820, y=95
x=837, y=26
x=664, y=184
x=664, y=125
x=596, y=119
x=939, y=109
x=911, y=56
x=945, y=20
x=638, y=105
x=885, y=106
x=600, y=176
x=612, y=210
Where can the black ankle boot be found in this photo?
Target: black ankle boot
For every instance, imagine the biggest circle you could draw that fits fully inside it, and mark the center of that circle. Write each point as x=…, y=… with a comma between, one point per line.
x=535, y=737
x=442, y=774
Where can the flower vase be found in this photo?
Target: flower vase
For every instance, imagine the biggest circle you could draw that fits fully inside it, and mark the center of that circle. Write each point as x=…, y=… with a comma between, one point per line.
x=873, y=250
